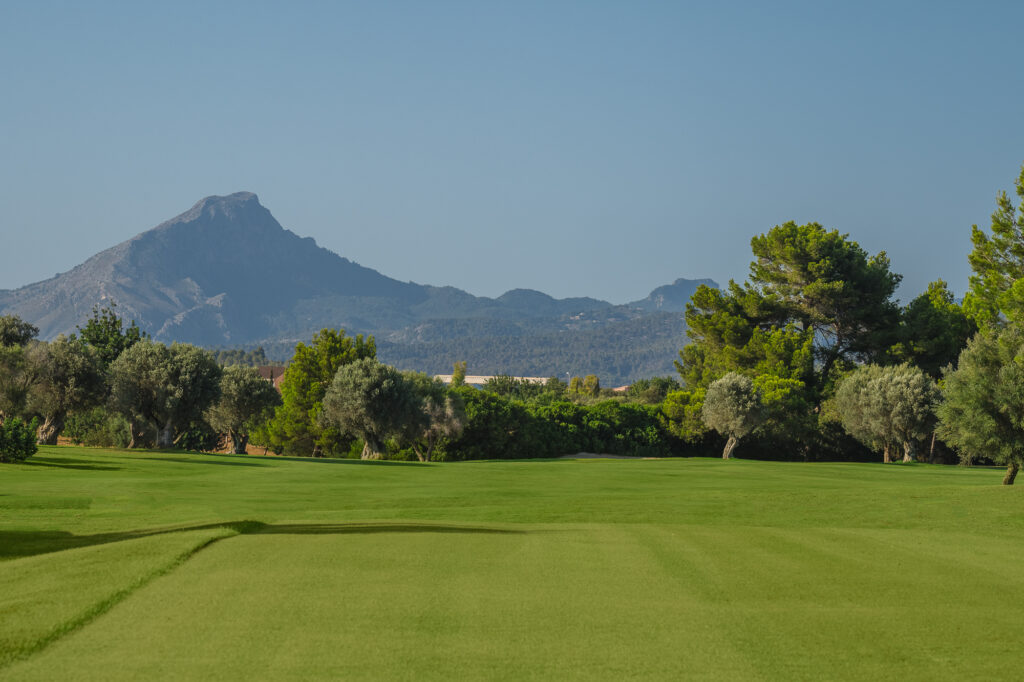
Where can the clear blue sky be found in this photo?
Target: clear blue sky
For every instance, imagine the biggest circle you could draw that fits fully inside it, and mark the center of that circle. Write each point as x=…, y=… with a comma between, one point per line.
x=579, y=148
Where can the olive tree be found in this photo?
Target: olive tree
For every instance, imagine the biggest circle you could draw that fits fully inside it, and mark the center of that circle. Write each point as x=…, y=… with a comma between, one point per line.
x=19, y=364
x=166, y=388
x=982, y=414
x=733, y=407
x=374, y=402
x=887, y=407
x=442, y=414
x=16, y=332
x=246, y=401
x=69, y=377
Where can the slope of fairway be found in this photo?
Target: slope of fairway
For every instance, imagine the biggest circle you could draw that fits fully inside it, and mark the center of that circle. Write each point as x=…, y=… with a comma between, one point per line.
x=550, y=569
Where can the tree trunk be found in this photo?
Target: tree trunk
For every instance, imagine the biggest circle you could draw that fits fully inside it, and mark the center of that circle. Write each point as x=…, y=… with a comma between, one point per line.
x=931, y=450
x=372, y=449
x=730, y=445
x=908, y=451
x=1011, y=472
x=131, y=434
x=165, y=436
x=886, y=454
x=50, y=429
x=239, y=441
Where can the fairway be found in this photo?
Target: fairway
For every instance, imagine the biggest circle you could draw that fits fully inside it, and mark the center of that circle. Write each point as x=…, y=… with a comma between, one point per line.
x=155, y=565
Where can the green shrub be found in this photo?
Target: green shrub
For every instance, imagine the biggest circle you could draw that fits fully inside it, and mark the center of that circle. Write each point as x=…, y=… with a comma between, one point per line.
x=97, y=428
x=17, y=439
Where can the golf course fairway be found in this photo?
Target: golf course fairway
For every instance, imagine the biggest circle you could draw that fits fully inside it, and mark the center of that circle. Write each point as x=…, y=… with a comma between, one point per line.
x=138, y=565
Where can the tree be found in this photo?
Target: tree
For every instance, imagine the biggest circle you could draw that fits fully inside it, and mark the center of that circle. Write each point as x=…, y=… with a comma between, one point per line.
x=19, y=364
x=682, y=411
x=105, y=332
x=167, y=388
x=459, y=374
x=69, y=377
x=996, y=291
x=828, y=285
x=886, y=407
x=17, y=439
x=982, y=414
x=374, y=402
x=246, y=401
x=733, y=407
x=296, y=428
x=933, y=330
x=652, y=391
x=16, y=332
x=444, y=414
x=816, y=303
x=591, y=386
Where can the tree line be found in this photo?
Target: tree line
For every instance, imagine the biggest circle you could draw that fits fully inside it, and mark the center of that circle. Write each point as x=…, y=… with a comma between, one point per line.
x=813, y=355
x=810, y=358
x=112, y=385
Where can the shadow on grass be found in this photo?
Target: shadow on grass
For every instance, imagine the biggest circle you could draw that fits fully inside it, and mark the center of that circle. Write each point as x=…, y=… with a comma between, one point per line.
x=67, y=463
x=253, y=460
x=191, y=460
x=16, y=544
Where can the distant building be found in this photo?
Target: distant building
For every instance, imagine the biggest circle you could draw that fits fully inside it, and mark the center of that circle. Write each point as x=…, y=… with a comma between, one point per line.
x=480, y=380
x=273, y=373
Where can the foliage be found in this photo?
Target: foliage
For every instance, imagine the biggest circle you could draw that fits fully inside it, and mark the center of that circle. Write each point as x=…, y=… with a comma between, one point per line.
x=730, y=332
x=239, y=356
x=682, y=414
x=247, y=400
x=825, y=283
x=17, y=439
x=982, y=414
x=375, y=403
x=733, y=406
x=815, y=303
x=69, y=377
x=296, y=428
x=591, y=386
x=933, y=330
x=513, y=388
x=516, y=430
x=443, y=414
x=97, y=427
x=105, y=332
x=886, y=407
x=652, y=391
x=16, y=332
x=166, y=388
x=997, y=284
x=20, y=367
x=459, y=374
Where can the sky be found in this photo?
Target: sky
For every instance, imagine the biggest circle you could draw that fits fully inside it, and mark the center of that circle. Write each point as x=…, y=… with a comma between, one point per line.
x=580, y=148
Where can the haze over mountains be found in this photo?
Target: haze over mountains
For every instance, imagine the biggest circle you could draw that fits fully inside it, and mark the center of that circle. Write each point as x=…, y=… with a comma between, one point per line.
x=226, y=274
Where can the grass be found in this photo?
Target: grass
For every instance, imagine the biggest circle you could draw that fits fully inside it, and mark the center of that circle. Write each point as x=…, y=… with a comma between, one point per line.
x=136, y=565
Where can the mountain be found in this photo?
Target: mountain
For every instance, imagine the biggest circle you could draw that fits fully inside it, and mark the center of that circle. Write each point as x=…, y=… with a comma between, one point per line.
x=225, y=273
x=672, y=298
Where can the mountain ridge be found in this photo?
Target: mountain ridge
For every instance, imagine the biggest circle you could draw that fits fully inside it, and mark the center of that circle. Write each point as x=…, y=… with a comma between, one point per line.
x=226, y=273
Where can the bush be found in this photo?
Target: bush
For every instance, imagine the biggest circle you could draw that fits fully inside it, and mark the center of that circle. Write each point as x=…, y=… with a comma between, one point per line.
x=17, y=439
x=97, y=428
